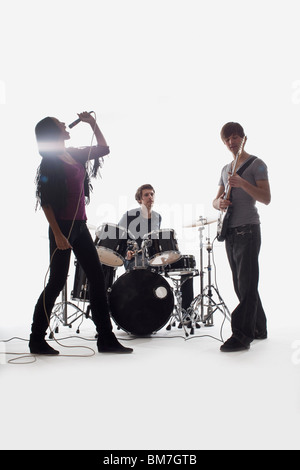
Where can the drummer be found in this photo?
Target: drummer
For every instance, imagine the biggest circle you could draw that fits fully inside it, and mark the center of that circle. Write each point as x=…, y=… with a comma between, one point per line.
x=141, y=221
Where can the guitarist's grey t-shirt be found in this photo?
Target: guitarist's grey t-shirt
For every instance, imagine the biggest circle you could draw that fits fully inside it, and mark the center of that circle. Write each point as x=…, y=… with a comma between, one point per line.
x=244, y=209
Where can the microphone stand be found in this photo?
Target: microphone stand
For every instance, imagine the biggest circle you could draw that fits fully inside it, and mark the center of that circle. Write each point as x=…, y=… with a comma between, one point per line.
x=60, y=313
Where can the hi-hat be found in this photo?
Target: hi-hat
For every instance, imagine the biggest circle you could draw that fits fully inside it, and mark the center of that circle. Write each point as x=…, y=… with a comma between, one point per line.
x=201, y=222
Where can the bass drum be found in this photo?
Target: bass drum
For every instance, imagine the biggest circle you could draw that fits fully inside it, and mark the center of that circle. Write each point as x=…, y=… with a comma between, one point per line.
x=141, y=302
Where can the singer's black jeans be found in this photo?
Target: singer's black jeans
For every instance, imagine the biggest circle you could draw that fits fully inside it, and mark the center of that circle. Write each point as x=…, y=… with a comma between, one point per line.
x=86, y=253
x=242, y=247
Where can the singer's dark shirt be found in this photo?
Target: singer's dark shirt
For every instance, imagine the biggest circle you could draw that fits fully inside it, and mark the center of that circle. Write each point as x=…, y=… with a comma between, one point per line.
x=75, y=175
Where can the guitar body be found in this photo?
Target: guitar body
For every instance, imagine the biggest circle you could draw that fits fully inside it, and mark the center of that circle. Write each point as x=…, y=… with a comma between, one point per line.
x=223, y=223
x=223, y=220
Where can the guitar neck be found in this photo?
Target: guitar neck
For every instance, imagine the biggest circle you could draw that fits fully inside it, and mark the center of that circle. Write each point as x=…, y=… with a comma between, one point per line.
x=234, y=168
x=233, y=172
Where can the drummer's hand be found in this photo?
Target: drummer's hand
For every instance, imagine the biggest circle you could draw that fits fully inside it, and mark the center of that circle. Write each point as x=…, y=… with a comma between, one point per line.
x=62, y=242
x=130, y=255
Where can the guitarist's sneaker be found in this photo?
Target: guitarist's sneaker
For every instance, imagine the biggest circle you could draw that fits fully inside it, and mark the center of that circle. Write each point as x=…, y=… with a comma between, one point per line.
x=233, y=345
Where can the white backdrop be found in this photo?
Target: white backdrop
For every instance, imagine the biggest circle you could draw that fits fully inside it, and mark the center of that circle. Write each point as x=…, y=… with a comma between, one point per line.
x=163, y=77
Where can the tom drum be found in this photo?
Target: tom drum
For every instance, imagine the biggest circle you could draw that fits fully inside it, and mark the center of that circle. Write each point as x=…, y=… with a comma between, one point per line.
x=161, y=247
x=111, y=244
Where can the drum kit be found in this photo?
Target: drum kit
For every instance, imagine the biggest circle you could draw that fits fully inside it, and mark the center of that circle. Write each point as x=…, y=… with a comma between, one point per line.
x=148, y=297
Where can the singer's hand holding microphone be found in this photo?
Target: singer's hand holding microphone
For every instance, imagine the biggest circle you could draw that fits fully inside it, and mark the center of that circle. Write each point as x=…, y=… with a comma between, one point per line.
x=83, y=117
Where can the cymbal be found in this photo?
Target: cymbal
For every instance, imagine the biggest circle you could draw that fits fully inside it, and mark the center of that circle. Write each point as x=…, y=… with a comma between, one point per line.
x=201, y=222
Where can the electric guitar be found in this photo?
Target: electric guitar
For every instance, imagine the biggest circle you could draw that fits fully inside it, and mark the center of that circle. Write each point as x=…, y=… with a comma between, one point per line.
x=223, y=220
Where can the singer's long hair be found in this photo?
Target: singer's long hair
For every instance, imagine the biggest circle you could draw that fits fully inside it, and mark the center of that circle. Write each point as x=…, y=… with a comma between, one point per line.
x=50, y=177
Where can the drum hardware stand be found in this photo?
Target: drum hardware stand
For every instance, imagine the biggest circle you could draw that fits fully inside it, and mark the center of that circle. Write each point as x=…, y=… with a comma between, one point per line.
x=179, y=314
x=59, y=313
x=135, y=248
x=208, y=291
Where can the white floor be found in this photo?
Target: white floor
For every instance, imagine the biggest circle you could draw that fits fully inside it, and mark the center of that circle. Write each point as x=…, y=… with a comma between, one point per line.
x=171, y=393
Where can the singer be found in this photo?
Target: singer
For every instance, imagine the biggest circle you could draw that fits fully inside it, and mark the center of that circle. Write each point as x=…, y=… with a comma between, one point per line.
x=62, y=189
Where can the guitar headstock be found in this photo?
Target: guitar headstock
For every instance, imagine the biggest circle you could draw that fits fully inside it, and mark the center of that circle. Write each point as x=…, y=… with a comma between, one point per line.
x=242, y=146
x=239, y=153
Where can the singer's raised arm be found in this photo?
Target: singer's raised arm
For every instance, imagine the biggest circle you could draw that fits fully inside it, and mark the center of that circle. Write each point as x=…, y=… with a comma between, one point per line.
x=89, y=118
x=97, y=151
x=83, y=154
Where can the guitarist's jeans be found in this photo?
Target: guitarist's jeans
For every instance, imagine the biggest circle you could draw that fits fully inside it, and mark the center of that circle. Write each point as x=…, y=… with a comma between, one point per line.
x=242, y=247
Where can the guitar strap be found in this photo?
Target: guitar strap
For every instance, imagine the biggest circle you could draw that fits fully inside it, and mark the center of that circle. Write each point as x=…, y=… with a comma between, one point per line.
x=243, y=168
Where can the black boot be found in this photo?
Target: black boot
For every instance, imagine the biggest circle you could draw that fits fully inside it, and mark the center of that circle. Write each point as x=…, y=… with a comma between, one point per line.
x=108, y=343
x=38, y=345
x=234, y=345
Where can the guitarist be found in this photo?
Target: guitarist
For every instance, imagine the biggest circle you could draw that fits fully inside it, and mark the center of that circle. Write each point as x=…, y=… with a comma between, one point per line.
x=248, y=184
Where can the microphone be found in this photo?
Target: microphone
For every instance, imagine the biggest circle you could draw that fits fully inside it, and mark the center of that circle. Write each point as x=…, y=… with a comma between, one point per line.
x=74, y=123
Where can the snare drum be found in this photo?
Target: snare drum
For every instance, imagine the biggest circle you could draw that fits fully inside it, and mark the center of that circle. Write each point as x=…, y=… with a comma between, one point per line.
x=185, y=265
x=141, y=302
x=111, y=244
x=161, y=247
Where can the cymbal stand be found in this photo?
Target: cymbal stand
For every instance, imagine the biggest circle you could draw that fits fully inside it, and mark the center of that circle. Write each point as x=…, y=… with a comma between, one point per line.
x=205, y=298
